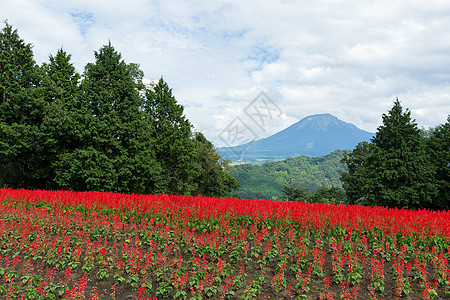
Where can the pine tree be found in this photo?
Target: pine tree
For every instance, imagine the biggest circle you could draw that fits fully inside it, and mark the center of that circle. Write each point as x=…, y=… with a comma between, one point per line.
x=21, y=111
x=395, y=169
x=213, y=179
x=400, y=163
x=115, y=147
x=60, y=79
x=172, y=135
x=356, y=177
x=59, y=88
x=438, y=143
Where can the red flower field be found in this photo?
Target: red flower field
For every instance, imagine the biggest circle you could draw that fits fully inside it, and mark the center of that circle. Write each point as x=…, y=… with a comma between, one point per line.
x=92, y=245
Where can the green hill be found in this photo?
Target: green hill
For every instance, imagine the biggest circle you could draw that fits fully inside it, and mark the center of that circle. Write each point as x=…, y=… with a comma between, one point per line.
x=266, y=181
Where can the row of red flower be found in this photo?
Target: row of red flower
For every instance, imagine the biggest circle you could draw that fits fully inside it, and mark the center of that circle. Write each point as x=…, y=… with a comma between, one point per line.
x=309, y=215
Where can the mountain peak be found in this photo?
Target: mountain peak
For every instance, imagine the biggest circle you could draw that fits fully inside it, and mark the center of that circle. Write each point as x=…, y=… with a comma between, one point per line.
x=314, y=135
x=322, y=116
x=319, y=122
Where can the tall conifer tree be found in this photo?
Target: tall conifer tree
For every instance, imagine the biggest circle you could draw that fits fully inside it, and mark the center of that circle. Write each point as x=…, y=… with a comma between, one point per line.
x=438, y=143
x=395, y=171
x=172, y=135
x=115, y=150
x=21, y=110
x=213, y=178
x=400, y=164
x=356, y=177
x=59, y=87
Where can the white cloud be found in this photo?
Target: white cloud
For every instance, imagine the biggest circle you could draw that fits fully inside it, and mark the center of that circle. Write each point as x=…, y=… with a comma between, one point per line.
x=351, y=59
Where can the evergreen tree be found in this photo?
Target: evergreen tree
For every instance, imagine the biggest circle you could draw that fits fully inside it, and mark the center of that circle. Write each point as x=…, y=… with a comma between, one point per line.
x=59, y=88
x=61, y=79
x=438, y=142
x=172, y=135
x=20, y=113
x=395, y=171
x=357, y=175
x=400, y=163
x=213, y=179
x=115, y=145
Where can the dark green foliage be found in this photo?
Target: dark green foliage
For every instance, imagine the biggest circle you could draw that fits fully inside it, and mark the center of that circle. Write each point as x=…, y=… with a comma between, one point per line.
x=438, y=142
x=296, y=193
x=212, y=180
x=19, y=79
x=357, y=173
x=58, y=88
x=113, y=143
x=171, y=133
x=20, y=113
x=399, y=164
x=333, y=195
x=395, y=170
x=266, y=181
x=61, y=79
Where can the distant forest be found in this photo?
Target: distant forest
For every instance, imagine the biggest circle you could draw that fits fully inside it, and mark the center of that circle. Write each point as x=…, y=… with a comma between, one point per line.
x=268, y=180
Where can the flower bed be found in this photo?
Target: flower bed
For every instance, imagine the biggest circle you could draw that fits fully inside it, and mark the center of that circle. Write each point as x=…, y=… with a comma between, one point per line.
x=62, y=244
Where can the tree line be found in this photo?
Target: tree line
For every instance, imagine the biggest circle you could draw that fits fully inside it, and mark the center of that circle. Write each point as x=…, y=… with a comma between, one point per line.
x=403, y=166
x=102, y=130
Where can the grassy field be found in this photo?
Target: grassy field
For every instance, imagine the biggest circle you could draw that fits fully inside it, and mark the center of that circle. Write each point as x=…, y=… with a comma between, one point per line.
x=67, y=245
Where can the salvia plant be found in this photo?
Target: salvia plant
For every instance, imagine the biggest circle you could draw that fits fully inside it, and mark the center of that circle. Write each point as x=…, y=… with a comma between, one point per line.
x=95, y=245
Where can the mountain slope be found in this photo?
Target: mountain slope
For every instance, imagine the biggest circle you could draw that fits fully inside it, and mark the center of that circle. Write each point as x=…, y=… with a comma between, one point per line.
x=266, y=181
x=315, y=135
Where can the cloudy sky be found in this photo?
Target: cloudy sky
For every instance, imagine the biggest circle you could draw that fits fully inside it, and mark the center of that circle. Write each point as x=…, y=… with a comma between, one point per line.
x=348, y=58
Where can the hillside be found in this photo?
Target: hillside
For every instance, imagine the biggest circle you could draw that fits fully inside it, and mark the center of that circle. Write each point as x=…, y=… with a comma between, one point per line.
x=265, y=181
x=315, y=135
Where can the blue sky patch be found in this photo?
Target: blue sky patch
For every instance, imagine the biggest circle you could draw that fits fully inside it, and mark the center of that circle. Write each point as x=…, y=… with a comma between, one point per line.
x=262, y=55
x=83, y=19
